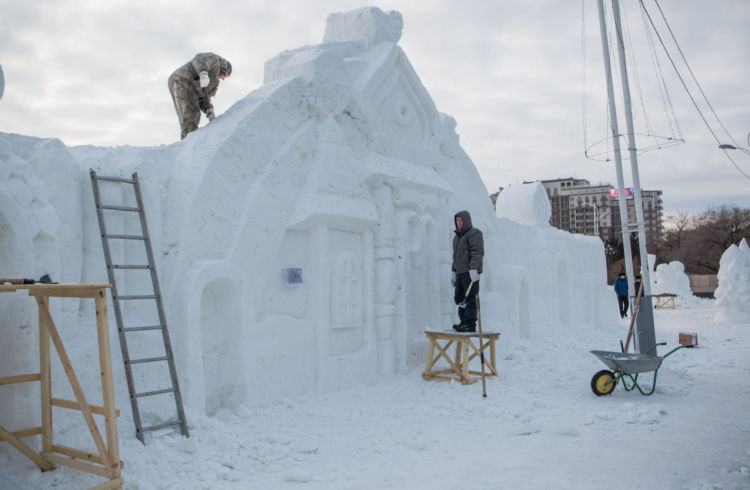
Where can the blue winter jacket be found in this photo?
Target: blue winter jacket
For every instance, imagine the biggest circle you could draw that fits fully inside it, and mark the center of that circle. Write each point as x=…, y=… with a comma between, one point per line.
x=621, y=286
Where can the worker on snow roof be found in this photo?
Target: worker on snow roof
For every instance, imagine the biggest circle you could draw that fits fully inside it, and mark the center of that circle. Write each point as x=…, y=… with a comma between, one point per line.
x=192, y=86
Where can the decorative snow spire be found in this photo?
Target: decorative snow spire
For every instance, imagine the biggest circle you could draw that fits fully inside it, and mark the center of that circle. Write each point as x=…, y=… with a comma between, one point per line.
x=368, y=24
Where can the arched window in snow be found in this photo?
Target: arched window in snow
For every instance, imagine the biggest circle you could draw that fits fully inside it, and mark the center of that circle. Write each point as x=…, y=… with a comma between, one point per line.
x=347, y=303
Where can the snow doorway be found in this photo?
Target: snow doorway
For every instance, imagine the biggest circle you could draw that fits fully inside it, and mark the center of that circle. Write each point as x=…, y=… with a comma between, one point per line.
x=524, y=310
x=422, y=285
x=221, y=332
x=563, y=293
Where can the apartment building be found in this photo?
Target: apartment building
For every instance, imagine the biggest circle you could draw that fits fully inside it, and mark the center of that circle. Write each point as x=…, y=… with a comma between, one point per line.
x=580, y=207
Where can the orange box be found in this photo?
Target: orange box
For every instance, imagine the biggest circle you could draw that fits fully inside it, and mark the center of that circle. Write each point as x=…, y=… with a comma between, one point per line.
x=688, y=339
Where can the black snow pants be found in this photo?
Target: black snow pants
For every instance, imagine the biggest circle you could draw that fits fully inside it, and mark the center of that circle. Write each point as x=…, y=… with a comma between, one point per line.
x=467, y=315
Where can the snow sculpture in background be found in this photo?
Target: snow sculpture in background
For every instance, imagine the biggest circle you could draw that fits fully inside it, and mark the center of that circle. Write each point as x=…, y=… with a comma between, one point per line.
x=526, y=204
x=671, y=279
x=733, y=293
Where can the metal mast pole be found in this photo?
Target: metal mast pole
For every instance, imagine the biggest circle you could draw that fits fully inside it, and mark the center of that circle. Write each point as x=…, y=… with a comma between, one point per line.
x=646, y=336
x=618, y=158
x=637, y=198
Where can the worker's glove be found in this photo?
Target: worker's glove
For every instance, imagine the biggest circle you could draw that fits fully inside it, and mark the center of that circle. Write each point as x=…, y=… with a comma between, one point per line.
x=204, y=79
x=211, y=115
x=453, y=278
x=474, y=275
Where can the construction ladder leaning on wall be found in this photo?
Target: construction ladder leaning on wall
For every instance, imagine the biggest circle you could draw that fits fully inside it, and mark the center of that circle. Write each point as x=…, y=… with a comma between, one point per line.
x=118, y=299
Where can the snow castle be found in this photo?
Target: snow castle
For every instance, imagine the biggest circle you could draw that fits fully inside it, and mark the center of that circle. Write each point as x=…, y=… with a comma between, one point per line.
x=339, y=168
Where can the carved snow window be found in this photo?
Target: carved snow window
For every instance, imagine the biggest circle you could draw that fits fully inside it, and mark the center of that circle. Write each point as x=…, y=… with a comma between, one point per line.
x=347, y=304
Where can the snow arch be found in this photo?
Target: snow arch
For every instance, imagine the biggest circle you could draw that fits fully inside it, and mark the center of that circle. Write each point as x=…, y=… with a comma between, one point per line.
x=222, y=359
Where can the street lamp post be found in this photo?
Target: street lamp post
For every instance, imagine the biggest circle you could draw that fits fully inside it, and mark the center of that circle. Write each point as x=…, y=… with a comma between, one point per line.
x=596, y=214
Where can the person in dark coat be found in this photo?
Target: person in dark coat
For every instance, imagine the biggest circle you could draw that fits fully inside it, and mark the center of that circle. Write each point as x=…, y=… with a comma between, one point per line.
x=468, y=257
x=192, y=85
x=621, y=290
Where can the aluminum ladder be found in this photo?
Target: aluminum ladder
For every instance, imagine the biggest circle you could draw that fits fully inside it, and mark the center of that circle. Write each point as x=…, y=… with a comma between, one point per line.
x=118, y=299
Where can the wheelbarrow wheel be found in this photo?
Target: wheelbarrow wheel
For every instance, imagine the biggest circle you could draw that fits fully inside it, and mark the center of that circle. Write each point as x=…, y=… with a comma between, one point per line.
x=599, y=383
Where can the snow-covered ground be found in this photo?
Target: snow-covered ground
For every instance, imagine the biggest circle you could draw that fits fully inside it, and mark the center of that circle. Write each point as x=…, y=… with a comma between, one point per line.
x=539, y=427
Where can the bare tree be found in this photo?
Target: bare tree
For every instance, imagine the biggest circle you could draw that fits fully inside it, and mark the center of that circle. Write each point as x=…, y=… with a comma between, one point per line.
x=698, y=241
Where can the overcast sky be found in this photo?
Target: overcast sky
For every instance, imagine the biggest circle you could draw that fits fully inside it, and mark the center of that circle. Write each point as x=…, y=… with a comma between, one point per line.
x=509, y=72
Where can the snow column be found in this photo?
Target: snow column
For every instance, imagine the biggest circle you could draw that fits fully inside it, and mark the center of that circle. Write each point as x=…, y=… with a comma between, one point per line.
x=385, y=280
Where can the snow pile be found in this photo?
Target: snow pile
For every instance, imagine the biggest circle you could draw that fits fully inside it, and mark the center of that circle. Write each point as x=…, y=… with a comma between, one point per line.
x=733, y=293
x=525, y=203
x=339, y=167
x=671, y=279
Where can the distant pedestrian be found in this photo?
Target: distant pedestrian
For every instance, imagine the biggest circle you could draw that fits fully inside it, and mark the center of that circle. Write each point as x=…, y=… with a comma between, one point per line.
x=468, y=256
x=621, y=290
x=637, y=285
x=192, y=86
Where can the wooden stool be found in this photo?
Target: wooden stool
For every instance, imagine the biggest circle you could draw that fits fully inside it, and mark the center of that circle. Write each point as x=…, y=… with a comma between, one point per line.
x=466, y=350
x=664, y=301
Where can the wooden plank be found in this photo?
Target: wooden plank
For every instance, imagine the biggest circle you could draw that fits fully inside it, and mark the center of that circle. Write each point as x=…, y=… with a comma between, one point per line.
x=110, y=485
x=41, y=462
x=33, y=431
x=45, y=374
x=445, y=355
x=77, y=390
x=77, y=453
x=65, y=291
x=430, y=353
x=108, y=393
x=20, y=378
x=72, y=405
x=78, y=465
x=489, y=363
x=465, y=356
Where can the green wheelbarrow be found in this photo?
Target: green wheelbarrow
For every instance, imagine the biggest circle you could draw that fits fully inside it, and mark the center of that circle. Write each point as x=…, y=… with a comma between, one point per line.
x=626, y=367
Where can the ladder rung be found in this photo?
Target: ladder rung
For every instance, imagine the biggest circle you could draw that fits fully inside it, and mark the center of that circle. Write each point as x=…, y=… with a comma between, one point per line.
x=139, y=329
x=148, y=359
x=161, y=426
x=122, y=266
x=136, y=296
x=126, y=237
x=119, y=208
x=155, y=392
x=116, y=179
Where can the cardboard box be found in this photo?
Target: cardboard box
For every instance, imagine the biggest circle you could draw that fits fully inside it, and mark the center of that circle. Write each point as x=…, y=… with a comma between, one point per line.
x=688, y=339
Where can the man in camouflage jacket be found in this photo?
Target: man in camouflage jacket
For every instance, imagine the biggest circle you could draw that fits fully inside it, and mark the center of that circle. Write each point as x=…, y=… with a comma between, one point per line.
x=468, y=258
x=192, y=86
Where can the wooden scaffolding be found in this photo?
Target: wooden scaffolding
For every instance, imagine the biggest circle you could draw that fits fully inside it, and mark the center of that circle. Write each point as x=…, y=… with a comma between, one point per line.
x=105, y=459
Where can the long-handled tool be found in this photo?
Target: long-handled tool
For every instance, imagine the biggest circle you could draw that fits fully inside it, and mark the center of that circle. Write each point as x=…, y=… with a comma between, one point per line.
x=632, y=320
x=462, y=304
x=481, y=348
x=45, y=279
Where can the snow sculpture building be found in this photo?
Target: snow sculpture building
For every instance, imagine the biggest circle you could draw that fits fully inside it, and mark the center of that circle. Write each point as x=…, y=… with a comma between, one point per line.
x=303, y=237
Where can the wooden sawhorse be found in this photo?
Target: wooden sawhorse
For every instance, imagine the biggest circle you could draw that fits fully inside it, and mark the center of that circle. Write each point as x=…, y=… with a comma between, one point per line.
x=105, y=461
x=664, y=301
x=466, y=351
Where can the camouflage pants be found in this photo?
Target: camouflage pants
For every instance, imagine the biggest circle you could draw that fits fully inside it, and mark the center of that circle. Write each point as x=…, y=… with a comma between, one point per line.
x=187, y=107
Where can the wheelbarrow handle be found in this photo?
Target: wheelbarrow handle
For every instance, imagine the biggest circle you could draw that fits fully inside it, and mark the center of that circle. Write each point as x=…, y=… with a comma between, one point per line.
x=655, y=346
x=674, y=350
